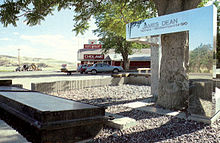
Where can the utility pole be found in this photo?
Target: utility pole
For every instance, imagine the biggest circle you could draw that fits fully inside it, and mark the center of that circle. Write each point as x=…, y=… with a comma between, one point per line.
x=19, y=62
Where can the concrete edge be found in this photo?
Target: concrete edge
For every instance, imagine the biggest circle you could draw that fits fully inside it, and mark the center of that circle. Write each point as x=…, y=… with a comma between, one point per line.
x=215, y=117
x=199, y=118
x=85, y=141
x=205, y=119
x=181, y=115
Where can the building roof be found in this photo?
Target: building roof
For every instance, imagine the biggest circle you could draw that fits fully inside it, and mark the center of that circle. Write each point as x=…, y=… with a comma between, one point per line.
x=140, y=57
x=135, y=57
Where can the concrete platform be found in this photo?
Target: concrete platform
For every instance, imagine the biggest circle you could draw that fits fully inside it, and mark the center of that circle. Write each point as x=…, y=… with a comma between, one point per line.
x=9, y=135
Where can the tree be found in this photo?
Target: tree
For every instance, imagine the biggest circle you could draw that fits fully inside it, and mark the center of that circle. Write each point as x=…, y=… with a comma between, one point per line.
x=120, y=45
x=173, y=85
x=35, y=10
x=110, y=41
x=111, y=25
x=111, y=18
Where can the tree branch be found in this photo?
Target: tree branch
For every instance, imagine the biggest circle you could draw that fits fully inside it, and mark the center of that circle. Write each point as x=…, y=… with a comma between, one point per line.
x=123, y=17
x=26, y=12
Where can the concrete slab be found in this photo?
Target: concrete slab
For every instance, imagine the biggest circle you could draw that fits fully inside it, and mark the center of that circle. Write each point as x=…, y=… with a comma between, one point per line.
x=113, y=115
x=9, y=135
x=120, y=122
x=163, y=111
x=146, y=106
x=137, y=104
x=85, y=141
x=142, y=107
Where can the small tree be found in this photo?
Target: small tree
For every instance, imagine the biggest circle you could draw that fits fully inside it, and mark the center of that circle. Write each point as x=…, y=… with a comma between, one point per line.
x=120, y=45
x=111, y=29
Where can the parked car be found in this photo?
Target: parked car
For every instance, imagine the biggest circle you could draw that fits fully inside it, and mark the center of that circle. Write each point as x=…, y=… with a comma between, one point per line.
x=82, y=68
x=103, y=67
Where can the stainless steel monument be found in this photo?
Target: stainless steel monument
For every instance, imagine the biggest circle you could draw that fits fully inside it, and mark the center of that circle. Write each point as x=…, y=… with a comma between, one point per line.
x=200, y=25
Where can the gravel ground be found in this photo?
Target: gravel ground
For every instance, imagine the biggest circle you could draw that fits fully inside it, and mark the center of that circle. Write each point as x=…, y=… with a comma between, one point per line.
x=151, y=127
x=108, y=95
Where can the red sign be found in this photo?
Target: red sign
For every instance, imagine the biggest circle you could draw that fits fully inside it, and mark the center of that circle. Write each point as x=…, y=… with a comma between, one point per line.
x=94, y=56
x=92, y=46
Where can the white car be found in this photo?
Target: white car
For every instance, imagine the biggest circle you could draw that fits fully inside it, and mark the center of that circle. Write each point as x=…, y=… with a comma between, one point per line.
x=103, y=67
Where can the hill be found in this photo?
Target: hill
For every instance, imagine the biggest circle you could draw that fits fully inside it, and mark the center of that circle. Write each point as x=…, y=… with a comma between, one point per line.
x=10, y=63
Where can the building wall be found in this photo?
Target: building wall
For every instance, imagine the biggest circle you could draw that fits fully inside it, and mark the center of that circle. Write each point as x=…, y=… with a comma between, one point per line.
x=133, y=64
x=138, y=63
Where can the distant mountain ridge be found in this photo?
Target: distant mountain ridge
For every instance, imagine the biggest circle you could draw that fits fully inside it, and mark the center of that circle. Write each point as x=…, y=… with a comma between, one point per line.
x=11, y=61
x=7, y=56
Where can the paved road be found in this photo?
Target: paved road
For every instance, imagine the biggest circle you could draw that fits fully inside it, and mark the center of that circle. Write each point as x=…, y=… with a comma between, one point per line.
x=30, y=74
x=26, y=78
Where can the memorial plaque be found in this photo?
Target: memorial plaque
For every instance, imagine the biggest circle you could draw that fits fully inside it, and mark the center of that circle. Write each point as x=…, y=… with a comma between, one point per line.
x=200, y=24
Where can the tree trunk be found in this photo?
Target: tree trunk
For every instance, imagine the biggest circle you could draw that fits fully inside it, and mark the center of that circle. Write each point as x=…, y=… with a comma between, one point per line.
x=126, y=63
x=124, y=54
x=174, y=84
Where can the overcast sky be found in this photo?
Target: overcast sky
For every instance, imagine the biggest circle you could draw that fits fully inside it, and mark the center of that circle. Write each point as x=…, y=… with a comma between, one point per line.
x=52, y=39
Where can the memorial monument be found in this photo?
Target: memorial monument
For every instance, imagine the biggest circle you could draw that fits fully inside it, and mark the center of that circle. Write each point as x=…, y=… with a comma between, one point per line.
x=43, y=118
x=192, y=69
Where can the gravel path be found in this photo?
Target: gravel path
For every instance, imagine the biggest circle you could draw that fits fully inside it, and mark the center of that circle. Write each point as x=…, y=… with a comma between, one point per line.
x=151, y=127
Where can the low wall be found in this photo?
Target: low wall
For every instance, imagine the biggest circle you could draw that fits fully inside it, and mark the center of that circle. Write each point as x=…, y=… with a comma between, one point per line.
x=5, y=82
x=9, y=83
x=56, y=86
